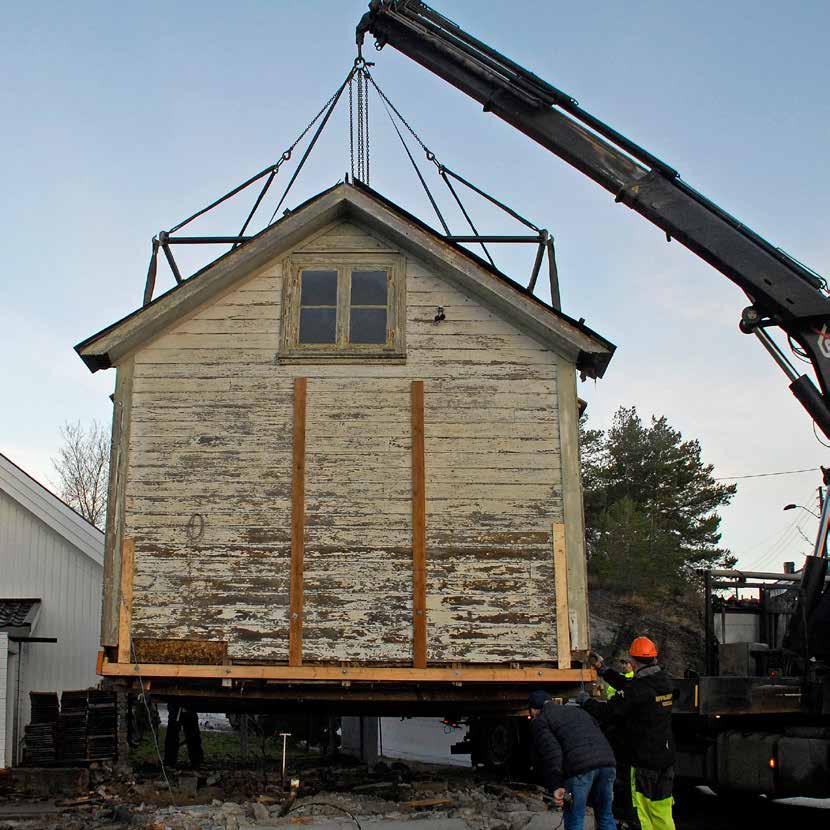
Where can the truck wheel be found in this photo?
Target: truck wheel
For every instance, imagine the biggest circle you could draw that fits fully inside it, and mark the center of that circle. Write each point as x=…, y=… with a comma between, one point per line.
x=500, y=744
x=497, y=744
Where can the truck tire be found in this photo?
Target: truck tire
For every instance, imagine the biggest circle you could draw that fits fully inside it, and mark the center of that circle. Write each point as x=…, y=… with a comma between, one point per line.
x=500, y=744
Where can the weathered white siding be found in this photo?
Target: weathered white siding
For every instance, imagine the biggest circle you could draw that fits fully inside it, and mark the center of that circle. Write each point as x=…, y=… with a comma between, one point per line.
x=38, y=562
x=211, y=438
x=6, y=713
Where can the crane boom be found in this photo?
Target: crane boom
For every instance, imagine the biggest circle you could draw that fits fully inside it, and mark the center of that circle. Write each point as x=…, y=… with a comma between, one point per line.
x=783, y=292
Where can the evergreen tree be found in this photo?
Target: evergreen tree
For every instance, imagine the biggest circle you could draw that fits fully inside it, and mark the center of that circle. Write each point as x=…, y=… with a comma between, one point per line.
x=650, y=506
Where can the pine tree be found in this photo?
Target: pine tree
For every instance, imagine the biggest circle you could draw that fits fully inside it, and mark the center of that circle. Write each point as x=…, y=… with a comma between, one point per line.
x=650, y=506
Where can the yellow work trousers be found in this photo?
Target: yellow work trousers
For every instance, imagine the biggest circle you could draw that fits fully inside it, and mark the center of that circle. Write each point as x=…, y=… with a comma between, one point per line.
x=653, y=815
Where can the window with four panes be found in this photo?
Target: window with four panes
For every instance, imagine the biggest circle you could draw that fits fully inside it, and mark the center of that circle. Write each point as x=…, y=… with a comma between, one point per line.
x=342, y=308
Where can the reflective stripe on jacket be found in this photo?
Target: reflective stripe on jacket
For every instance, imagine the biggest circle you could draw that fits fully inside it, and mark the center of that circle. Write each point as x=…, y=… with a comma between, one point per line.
x=643, y=710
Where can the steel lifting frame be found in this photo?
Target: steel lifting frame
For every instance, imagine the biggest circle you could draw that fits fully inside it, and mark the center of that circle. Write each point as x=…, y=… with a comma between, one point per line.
x=540, y=236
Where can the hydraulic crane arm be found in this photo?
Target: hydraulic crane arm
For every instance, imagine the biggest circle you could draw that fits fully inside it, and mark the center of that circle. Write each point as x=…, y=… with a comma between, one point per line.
x=782, y=291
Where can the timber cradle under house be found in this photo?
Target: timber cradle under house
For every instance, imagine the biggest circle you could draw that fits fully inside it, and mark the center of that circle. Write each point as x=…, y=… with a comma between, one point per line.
x=345, y=451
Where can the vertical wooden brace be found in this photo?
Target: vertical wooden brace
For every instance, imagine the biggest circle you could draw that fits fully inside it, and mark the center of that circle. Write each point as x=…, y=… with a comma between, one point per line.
x=560, y=576
x=116, y=497
x=125, y=611
x=419, y=587
x=295, y=632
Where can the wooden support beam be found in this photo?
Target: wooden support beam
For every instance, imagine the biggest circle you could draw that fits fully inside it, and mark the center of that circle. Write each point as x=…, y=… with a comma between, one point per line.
x=356, y=674
x=560, y=577
x=179, y=651
x=116, y=502
x=125, y=608
x=295, y=635
x=419, y=554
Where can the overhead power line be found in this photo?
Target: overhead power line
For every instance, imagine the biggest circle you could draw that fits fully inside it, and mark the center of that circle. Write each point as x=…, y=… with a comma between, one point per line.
x=764, y=475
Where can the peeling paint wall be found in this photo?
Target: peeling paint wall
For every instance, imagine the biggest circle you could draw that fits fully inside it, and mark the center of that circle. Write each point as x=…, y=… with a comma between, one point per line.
x=208, y=493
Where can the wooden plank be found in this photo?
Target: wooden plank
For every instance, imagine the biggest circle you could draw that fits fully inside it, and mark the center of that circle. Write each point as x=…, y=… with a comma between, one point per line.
x=181, y=651
x=344, y=237
x=560, y=575
x=337, y=674
x=295, y=637
x=419, y=555
x=125, y=612
x=572, y=508
x=119, y=460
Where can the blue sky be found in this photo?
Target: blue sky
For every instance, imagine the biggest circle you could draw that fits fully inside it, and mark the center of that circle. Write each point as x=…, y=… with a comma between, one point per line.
x=121, y=120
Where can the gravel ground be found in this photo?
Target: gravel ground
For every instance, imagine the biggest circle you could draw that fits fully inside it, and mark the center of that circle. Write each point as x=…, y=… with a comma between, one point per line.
x=331, y=798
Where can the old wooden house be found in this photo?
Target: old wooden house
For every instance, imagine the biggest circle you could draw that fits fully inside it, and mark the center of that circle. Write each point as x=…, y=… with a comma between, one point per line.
x=346, y=450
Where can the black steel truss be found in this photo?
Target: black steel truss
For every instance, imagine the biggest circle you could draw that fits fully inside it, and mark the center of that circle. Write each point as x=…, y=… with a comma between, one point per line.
x=359, y=73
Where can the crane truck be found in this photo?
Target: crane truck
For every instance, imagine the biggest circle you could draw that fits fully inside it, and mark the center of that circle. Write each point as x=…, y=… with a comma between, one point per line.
x=756, y=720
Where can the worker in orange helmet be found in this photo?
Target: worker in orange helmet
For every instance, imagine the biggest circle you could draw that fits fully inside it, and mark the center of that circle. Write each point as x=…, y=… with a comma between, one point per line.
x=642, y=708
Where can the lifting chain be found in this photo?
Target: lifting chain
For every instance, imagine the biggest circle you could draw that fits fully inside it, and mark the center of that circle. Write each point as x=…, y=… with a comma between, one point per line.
x=351, y=130
x=427, y=152
x=359, y=110
x=287, y=154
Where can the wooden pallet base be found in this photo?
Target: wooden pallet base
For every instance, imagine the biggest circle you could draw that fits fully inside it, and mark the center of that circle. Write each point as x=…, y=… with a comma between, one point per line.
x=539, y=676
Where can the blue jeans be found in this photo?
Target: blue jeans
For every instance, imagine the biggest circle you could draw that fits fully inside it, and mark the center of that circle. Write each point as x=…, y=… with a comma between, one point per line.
x=598, y=786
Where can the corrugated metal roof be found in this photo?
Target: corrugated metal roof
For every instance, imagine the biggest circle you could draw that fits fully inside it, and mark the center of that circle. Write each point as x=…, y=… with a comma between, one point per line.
x=16, y=613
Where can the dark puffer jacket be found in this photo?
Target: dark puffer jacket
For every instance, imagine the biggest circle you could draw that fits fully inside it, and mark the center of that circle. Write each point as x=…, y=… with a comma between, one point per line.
x=643, y=709
x=567, y=742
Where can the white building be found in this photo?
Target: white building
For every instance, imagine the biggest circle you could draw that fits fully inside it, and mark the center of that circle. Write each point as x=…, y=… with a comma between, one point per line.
x=425, y=740
x=51, y=566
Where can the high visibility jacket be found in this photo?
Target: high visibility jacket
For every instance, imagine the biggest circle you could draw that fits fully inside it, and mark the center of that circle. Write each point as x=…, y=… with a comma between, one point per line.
x=618, y=679
x=643, y=711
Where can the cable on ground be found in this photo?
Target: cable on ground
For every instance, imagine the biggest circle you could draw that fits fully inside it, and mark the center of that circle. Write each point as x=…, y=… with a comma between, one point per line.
x=325, y=804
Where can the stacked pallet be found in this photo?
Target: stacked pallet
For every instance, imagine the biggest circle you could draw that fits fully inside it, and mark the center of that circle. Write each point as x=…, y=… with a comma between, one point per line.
x=79, y=730
x=101, y=726
x=39, y=744
x=72, y=726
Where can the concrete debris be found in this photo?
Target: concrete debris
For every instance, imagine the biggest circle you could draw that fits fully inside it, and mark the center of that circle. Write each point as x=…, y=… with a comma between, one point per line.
x=387, y=797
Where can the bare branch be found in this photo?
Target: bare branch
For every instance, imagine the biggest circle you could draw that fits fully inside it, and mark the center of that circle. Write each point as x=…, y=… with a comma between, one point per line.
x=82, y=465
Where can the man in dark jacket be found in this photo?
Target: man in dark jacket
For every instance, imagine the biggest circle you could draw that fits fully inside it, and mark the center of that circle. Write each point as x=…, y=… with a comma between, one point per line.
x=642, y=709
x=573, y=756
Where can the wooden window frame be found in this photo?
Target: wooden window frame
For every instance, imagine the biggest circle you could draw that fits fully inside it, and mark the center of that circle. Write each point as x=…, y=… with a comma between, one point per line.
x=344, y=264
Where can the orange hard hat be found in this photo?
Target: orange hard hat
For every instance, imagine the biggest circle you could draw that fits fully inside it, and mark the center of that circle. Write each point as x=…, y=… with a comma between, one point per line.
x=643, y=647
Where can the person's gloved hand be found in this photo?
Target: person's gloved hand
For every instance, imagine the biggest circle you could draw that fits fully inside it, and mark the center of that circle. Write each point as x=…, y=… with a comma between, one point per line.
x=595, y=660
x=582, y=697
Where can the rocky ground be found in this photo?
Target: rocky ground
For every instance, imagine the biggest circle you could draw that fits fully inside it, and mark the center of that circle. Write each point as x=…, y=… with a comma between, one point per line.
x=677, y=628
x=340, y=797
x=330, y=796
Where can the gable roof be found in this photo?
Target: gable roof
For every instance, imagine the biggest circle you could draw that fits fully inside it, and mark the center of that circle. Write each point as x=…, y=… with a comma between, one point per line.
x=588, y=350
x=53, y=512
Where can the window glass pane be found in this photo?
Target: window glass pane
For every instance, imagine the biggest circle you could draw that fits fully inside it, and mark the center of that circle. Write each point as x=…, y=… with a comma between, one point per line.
x=368, y=325
x=319, y=288
x=318, y=325
x=369, y=288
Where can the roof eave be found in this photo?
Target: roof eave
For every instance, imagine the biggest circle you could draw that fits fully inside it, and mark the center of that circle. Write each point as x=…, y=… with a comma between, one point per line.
x=51, y=510
x=589, y=351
